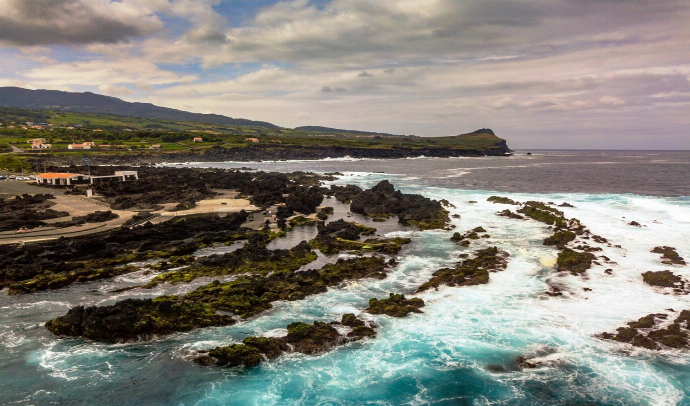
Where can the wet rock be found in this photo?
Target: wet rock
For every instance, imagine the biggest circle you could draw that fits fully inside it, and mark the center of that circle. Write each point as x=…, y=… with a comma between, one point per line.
x=471, y=271
x=654, y=332
x=664, y=279
x=324, y=213
x=345, y=194
x=383, y=201
x=574, y=262
x=134, y=319
x=501, y=200
x=302, y=337
x=565, y=204
x=634, y=224
x=395, y=305
x=669, y=255
x=464, y=239
x=560, y=238
x=510, y=214
x=244, y=296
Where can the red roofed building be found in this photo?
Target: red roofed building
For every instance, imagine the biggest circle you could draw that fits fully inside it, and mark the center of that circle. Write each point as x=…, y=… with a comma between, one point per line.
x=63, y=179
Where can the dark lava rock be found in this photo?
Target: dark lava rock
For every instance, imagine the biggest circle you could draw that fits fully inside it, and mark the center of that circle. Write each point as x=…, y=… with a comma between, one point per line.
x=510, y=214
x=324, y=213
x=304, y=200
x=464, y=239
x=574, y=262
x=383, y=201
x=134, y=319
x=58, y=263
x=395, y=305
x=560, y=238
x=345, y=194
x=665, y=279
x=565, y=204
x=471, y=271
x=302, y=337
x=669, y=256
x=501, y=200
x=648, y=332
x=635, y=224
x=244, y=296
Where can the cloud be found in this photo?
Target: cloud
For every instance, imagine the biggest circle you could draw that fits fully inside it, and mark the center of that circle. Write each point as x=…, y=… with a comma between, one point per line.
x=112, y=90
x=106, y=73
x=48, y=22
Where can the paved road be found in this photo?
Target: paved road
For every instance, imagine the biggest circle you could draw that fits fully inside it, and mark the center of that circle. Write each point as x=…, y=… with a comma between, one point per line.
x=16, y=149
x=16, y=187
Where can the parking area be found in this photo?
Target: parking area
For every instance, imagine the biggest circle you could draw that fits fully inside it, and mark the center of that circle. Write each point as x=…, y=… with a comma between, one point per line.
x=16, y=187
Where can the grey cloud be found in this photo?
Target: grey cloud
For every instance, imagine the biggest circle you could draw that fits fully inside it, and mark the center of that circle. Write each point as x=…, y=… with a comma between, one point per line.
x=365, y=74
x=328, y=89
x=47, y=22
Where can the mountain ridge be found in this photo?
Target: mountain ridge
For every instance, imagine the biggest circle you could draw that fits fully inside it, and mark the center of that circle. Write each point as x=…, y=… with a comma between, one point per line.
x=88, y=102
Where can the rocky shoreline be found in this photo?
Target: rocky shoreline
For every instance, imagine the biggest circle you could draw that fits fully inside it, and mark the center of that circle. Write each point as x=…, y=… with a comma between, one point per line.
x=257, y=153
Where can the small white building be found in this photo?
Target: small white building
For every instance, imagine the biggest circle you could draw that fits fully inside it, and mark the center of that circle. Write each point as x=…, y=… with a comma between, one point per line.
x=62, y=179
x=79, y=146
x=40, y=145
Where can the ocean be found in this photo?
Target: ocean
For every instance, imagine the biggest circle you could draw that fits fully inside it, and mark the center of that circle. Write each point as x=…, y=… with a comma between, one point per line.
x=461, y=350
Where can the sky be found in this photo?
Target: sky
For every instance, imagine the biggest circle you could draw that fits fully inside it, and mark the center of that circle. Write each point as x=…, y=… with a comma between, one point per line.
x=583, y=74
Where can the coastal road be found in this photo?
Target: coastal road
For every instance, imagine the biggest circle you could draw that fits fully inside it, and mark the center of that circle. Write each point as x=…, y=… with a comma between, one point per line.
x=17, y=187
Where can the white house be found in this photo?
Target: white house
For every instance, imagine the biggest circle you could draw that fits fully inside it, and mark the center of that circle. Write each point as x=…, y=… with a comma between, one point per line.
x=40, y=145
x=79, y=146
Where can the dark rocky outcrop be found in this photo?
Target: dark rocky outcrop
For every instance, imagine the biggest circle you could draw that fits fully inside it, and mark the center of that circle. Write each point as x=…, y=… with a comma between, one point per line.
x=27, y=211
x=666, y=279
x=560, y=238
x=464, y=239
x=471, y=271
x=501, y=200
x=135, y=319
x=510, y=214
x=58, y=263
x=383, y=201
x=574, y=262
x=244, y=296
x=395, y=305
x=654, y=332
x=302, y=337
x=253, y=258
x=345, y=194
x=669, y=256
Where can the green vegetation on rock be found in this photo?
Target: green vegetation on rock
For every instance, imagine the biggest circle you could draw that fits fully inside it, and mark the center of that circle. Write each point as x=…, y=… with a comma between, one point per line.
x=472, y=271
x=395, y=305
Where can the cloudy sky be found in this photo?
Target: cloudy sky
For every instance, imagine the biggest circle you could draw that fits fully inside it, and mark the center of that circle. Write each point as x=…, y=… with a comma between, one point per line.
x=541, y=73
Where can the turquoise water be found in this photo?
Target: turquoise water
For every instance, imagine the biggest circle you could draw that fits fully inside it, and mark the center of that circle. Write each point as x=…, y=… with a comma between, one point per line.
x=460, y=351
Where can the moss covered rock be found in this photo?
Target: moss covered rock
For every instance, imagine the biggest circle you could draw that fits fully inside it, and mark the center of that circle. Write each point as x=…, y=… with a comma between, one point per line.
x=471, y=271
x=395, y=305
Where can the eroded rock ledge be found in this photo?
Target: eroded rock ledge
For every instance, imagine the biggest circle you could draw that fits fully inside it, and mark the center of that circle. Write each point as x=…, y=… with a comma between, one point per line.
x=655, y=332
x=472, y=271
x=209, y=305
x=302, y=337
x=383, y=201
